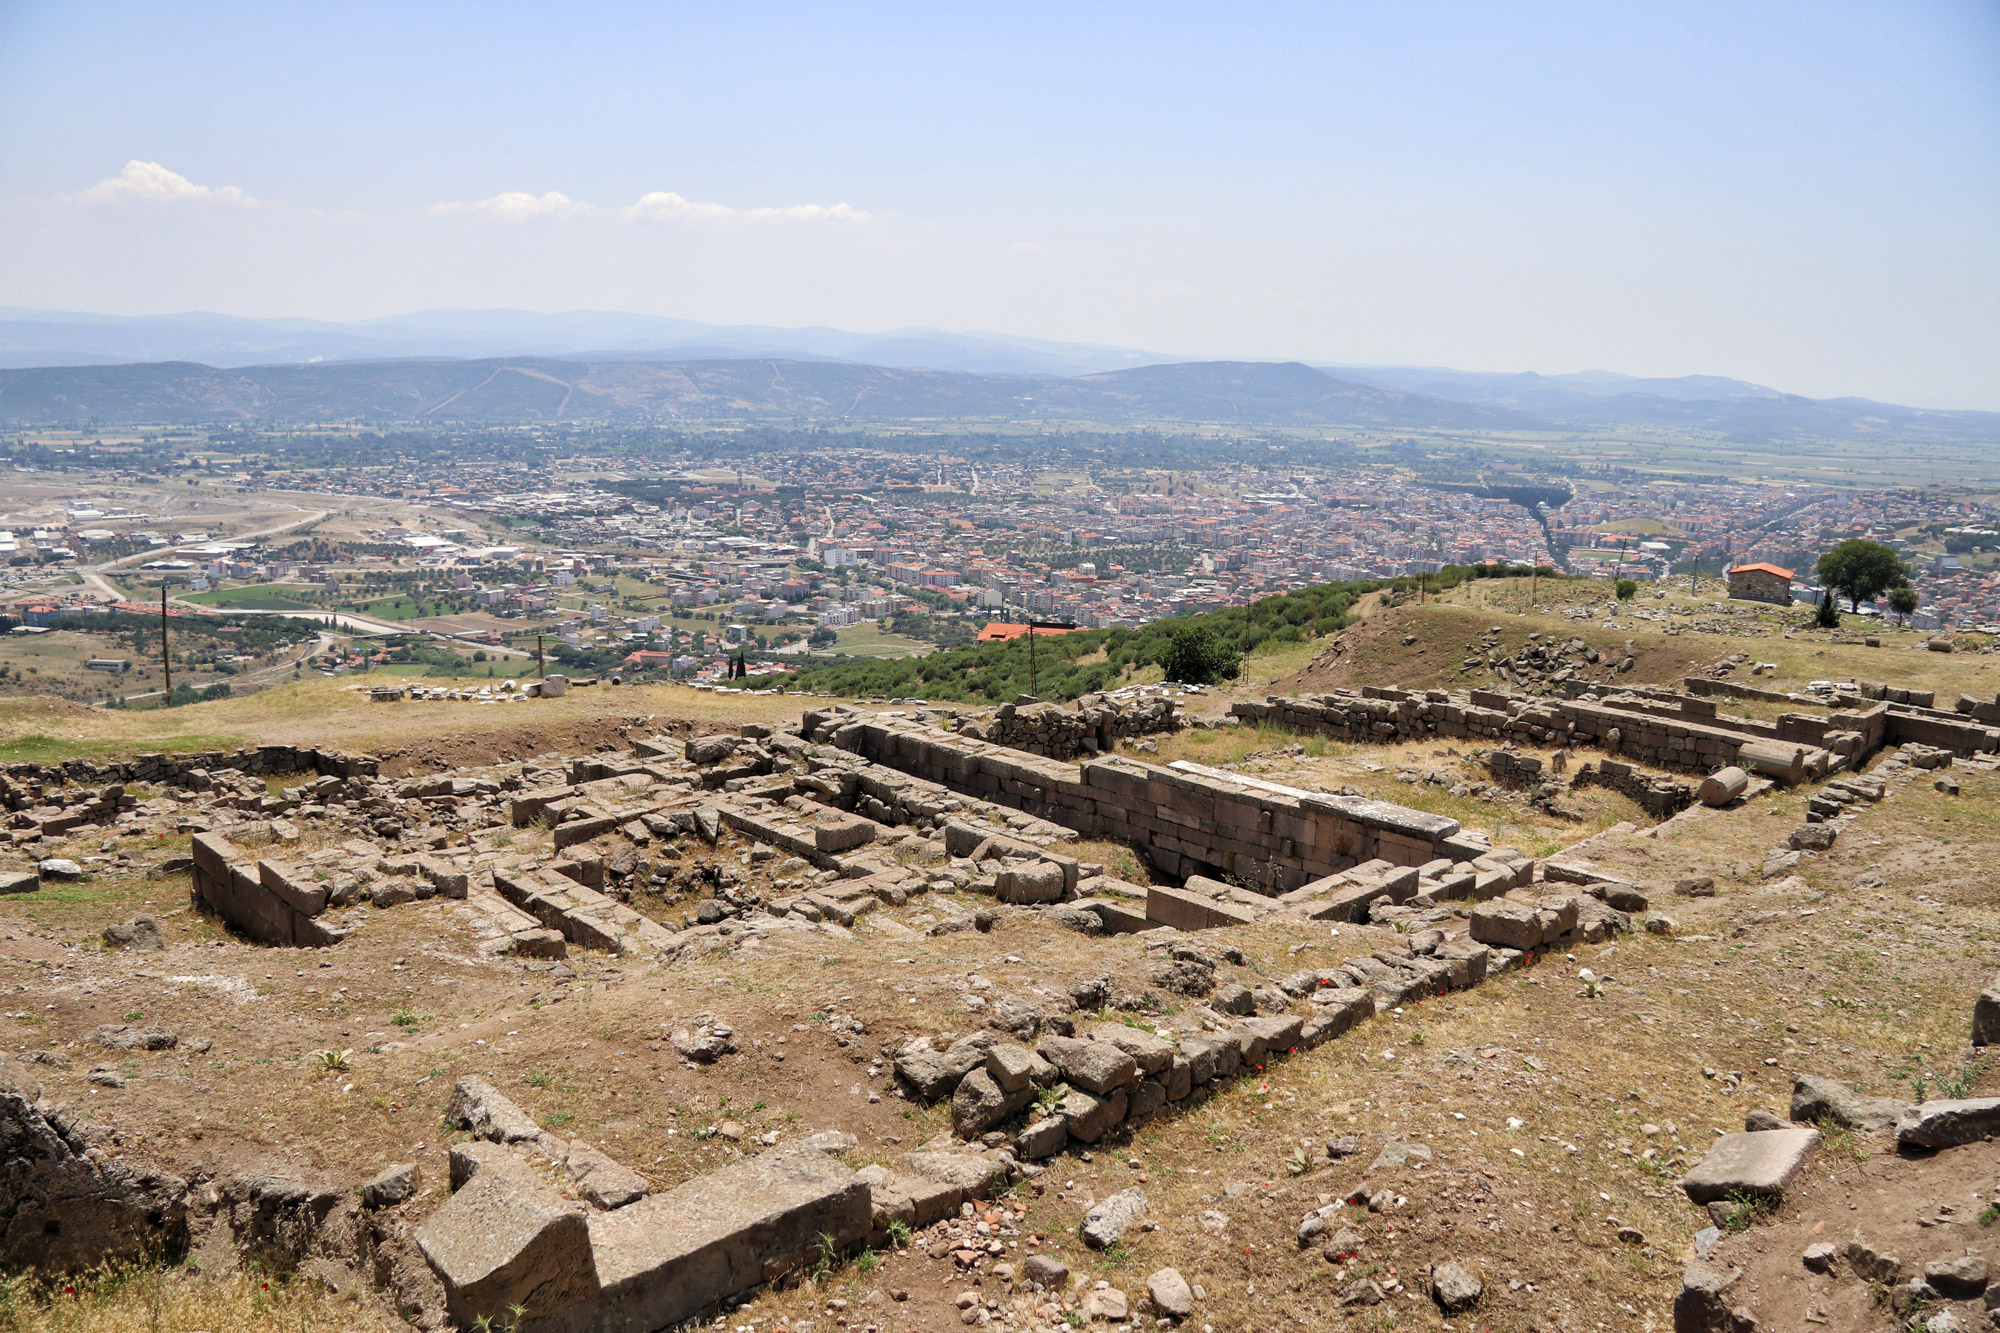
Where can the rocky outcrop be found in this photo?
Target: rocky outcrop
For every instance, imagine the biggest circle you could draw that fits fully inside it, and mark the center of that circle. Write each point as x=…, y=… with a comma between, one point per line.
x=64, y=1203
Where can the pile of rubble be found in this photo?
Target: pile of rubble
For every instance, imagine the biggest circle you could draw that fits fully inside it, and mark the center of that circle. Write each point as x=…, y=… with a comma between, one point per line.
x=1094, y=726
x=1542, y=664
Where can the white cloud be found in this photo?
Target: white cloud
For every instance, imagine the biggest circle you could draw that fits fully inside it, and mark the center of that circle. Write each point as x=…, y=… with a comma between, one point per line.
x=149, y=182
x=665, y=206
x=658, y=206
x=520, y=206
x=1029, y=250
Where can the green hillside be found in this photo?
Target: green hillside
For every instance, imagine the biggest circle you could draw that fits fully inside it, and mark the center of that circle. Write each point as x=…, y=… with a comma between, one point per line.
x=1069, y=665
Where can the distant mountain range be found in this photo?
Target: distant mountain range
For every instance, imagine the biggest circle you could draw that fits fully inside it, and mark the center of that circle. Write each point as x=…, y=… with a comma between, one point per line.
x=62, y=338
x=509, y=365
x=533, y=388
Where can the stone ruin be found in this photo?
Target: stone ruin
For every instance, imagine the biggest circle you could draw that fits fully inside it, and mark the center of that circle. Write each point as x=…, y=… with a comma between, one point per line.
x=545, y=858
x=1664, y=728
x=548, y=858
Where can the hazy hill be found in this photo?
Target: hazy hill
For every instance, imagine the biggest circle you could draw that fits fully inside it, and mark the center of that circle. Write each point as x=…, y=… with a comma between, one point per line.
x=1735, y=409
x=64, y=338
x=516, y=389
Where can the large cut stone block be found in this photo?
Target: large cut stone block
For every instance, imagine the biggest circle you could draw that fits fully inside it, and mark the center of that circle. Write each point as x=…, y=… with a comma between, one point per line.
x=1760, y=1163
x=670, y=1256
x=508, y=1240
x=1191, y=911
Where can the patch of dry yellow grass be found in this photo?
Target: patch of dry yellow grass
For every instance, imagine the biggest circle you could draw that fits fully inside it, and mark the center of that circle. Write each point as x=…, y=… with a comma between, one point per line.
x=154, y=1299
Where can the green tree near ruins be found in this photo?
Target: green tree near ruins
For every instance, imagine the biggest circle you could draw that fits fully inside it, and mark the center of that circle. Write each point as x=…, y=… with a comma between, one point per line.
x=1627, y=589
x=1902, y=600
x=1861, y=571
x=1827, y=614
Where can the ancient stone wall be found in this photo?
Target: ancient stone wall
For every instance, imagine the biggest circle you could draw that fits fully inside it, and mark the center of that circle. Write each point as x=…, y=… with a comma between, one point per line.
x=1190, y=821
x=1660, y=728
x=1662, y=798
x=1096, y=723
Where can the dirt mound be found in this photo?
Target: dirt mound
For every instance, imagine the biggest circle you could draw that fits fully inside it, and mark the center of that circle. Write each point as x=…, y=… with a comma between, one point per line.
x=1427, y=647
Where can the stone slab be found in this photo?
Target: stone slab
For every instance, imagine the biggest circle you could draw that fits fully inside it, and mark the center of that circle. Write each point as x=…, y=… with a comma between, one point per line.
x=1761, y=1163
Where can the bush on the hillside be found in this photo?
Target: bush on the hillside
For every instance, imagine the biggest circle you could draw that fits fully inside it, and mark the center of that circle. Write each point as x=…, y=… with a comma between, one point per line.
x=1827, y=616
x=1197, y=655
x=1627, y=589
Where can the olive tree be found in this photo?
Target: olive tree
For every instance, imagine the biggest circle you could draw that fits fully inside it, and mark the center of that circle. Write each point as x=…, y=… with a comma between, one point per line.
x=1861, y=570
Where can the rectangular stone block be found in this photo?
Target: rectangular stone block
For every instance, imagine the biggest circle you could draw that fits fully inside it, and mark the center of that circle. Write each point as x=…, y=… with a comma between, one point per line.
x=1192, y=911
x=1761, y=1163
x=669, y=1257
x=294, y=886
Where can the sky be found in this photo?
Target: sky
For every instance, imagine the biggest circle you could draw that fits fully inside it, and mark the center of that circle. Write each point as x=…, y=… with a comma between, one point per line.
x=1805, y=195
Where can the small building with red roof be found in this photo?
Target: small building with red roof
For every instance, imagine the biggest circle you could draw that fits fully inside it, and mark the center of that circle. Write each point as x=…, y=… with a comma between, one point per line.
x=1761, y=583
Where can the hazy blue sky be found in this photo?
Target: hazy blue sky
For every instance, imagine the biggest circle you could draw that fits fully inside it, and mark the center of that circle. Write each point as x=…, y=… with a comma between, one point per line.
x=1807, y=195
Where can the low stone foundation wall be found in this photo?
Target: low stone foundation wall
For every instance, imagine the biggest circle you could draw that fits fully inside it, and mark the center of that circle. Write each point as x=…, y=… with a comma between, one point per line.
x=1657, y=727
x=1190, y=821
x=1662, y=798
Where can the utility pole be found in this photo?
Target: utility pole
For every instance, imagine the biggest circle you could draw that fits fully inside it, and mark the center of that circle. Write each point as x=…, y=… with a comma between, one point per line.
x=540, y=673
x=166, y=662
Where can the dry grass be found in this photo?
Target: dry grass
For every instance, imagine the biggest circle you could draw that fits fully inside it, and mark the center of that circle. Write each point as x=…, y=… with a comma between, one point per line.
x=329, y=713
x=155, y=1299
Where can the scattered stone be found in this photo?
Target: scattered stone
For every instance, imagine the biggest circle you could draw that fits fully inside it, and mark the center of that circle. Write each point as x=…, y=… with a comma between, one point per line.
x=1946, y=1124
x=1760, y=1120
x=59, y=868
x=705, y=1042
x=1986, y=1017
x=1819, y=1257
x=104, y=1076
x=1046, y=1269
x=1454, y=1287
x=1659, y=923
x=1108, y=1221
x=141, y=933
x=1870, y=1264
x=1105, y=1303
x=488, y=1114
x=1344, y=1146
x=1364, y=1292
x=1695, y=886
x=1815, y=1099
x=1812, y=838
x=389, y=1186
x=1703, y=1304
x=1170, y=1293
x=1958, y=1279
x=601, y=1180
x=1761, y=1164
x=127, y=1037
x=1779, y=863
x=1395, y=1156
